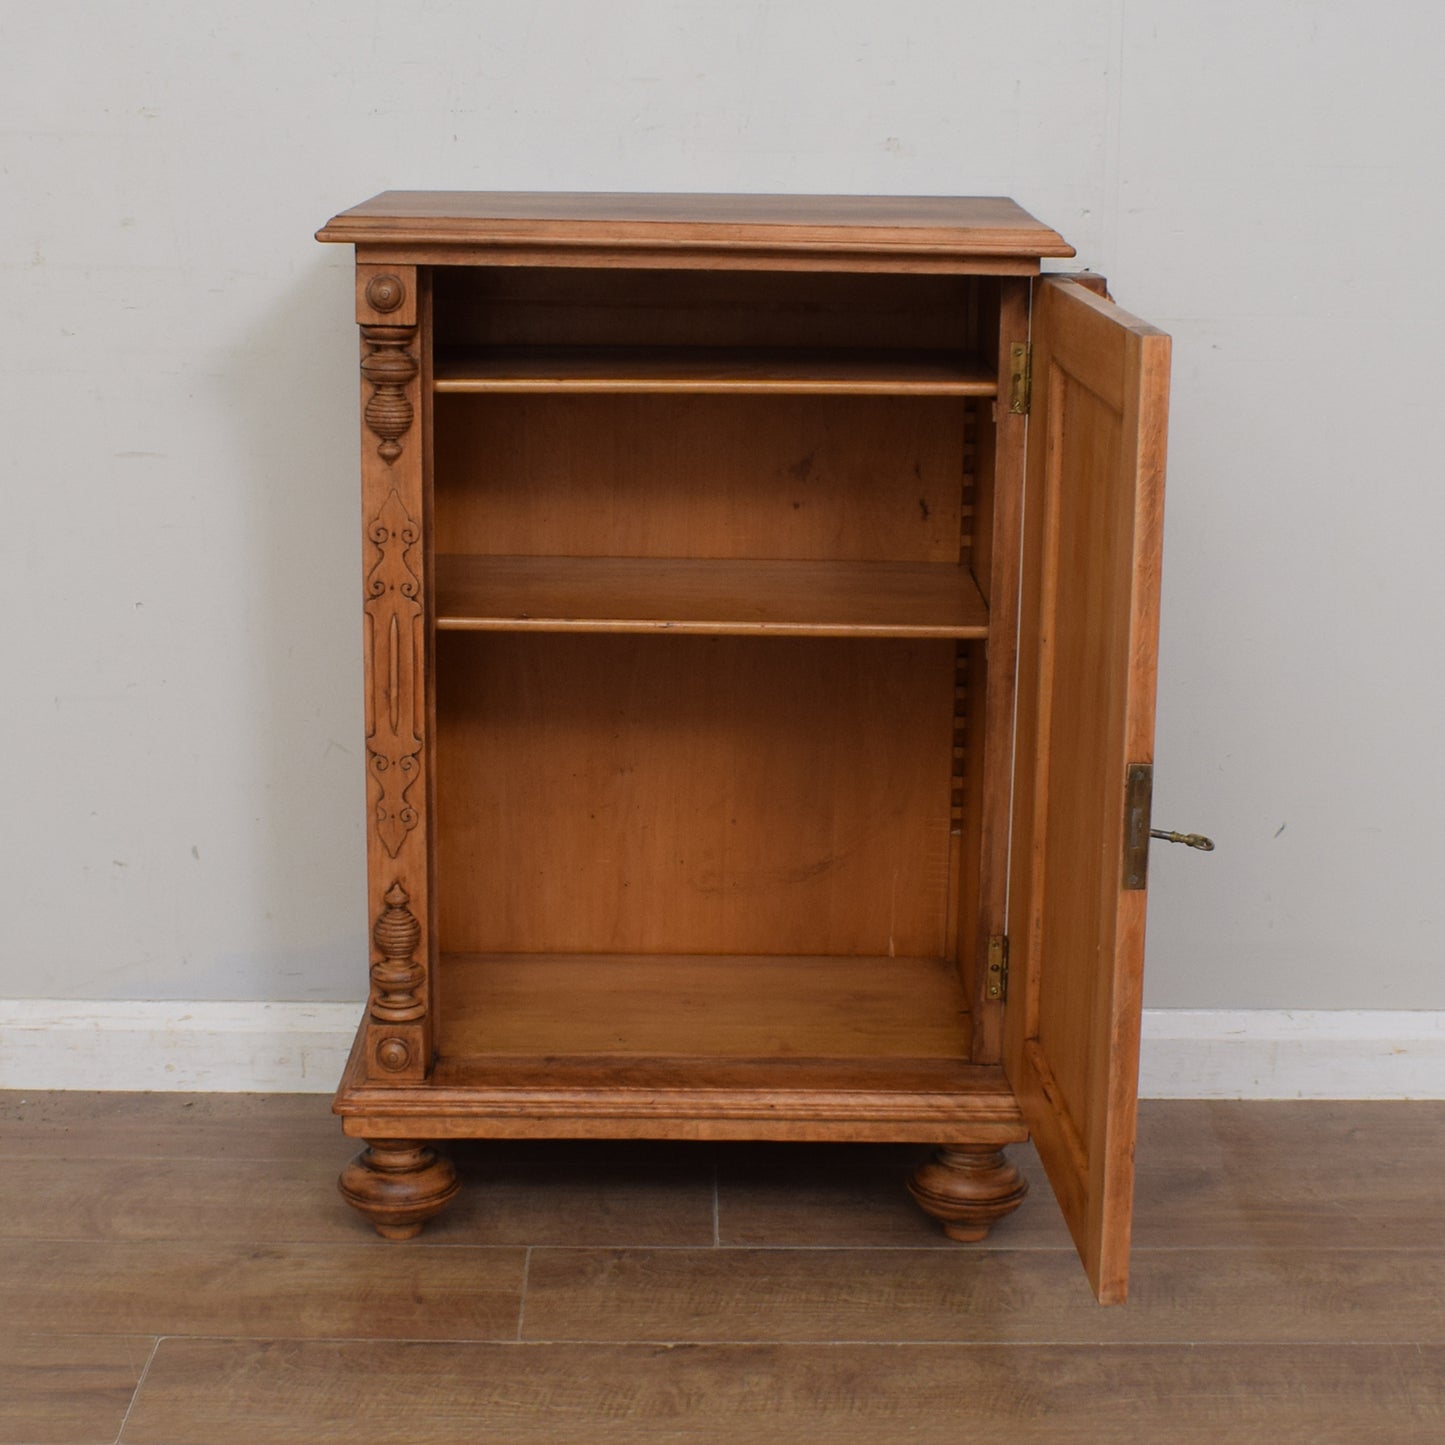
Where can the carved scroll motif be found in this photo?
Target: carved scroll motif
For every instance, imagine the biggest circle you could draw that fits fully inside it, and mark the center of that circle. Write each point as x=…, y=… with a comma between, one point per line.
x=394, y=637
x=390, y=368
x=396, y=976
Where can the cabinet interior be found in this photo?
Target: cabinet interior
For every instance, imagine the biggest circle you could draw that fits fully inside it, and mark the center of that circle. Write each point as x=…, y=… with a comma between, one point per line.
x=709, y=661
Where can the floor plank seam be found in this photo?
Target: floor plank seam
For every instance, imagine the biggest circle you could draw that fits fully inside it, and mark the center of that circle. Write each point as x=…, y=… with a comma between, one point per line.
x=139, y=1385
x=943, y=1250
x=452, y=1342
x=377, y=1245
x=761, y=1342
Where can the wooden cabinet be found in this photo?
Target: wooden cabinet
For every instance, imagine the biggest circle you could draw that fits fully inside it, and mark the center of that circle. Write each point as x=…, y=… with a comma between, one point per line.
x=760, y=656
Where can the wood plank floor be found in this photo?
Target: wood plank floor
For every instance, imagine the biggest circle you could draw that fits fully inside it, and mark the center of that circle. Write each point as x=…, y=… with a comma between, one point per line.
x=178, y=1270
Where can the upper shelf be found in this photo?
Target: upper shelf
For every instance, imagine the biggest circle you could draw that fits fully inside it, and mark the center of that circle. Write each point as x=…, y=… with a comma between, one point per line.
x=708, y=596
x=700, y=369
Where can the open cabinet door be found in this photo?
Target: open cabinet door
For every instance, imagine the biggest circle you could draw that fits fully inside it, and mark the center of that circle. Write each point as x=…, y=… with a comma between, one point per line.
x=1089, y=627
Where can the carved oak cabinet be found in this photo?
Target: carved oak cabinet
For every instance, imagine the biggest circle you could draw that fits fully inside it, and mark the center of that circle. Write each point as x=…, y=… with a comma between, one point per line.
x=760, y=600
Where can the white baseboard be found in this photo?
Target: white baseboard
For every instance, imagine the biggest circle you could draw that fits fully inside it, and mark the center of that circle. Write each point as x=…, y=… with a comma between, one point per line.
x=1293, y=1054
x=301, y=1048
x=285, y=1048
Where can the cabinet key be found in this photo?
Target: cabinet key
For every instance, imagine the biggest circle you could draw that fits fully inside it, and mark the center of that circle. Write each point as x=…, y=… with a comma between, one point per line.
x=1190, y=840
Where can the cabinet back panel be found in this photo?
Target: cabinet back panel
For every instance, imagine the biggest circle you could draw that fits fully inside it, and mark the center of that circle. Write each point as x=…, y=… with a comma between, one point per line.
x=530, y=306
x=867, y=478
x=693, y=795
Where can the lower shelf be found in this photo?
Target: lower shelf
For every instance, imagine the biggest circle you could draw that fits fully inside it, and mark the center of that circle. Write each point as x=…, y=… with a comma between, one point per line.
x=686, y=1047
x=700, y=1006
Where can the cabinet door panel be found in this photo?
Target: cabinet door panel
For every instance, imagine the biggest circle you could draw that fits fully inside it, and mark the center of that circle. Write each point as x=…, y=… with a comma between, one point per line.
x=1089, y=614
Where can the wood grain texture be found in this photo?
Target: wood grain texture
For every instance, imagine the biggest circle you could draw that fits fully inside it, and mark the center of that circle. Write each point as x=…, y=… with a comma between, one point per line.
x=957, y=225
x=1294, y=1174
x=68, y=1389
x=693, y=795
x=80, y=1124
x=258, y=1289
x=986, y=1295
x=551, y=1194
x=597, y=1096
x=940, y=264
x=714, y=370
x=198, y=1199
x=721, y=1006
x=1302, y=1305
x=708, y=597
x=228, y=1392
x=826, y=478
x=1087, y=660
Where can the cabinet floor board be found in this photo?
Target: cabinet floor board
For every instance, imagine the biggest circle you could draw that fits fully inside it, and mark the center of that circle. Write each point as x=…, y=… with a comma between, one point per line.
x=720, y=1007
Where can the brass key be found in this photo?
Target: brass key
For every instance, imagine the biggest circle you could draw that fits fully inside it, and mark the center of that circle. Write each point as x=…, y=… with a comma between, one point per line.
x=1190, y=840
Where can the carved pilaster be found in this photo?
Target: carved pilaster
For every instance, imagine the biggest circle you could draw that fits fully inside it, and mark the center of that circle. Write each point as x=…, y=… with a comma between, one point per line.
x=396, y=976
x=390, y=366
x=392, y=312
x=395, y=647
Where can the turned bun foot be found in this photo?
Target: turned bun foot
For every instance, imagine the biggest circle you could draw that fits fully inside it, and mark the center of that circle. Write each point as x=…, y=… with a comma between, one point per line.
x=398, y=1184
x=969, y=1187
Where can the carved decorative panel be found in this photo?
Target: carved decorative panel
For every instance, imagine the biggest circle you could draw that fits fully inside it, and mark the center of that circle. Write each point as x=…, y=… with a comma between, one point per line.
x=395, y=646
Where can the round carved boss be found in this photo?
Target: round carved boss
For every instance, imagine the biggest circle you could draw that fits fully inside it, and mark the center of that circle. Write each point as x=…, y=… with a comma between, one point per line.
x=385, y=293
x=393, y=1054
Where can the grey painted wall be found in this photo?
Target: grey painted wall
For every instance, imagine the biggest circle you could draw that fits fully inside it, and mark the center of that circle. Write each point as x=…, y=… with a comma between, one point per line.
x=181, y=767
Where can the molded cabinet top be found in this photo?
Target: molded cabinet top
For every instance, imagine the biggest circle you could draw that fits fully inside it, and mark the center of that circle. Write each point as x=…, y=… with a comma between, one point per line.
x=947, y=225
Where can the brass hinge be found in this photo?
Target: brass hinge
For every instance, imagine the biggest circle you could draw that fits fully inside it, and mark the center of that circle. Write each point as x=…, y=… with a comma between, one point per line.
x=1138, y=803
x=1020, y=377
x=996, y=970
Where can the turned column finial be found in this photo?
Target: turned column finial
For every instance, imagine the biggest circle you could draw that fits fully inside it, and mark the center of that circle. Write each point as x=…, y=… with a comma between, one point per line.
x=390, y=367
x=396, y=977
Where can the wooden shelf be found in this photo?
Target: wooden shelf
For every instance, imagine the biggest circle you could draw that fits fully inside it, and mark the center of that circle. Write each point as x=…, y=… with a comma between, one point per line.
x=708, y=596
x=701, y=1006
x=713, y=370
x=670, y=1046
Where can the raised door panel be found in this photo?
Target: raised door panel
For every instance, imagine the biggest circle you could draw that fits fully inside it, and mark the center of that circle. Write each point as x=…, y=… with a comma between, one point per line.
x=1089, y=627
